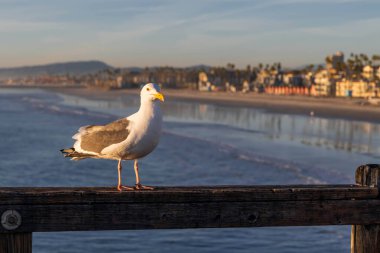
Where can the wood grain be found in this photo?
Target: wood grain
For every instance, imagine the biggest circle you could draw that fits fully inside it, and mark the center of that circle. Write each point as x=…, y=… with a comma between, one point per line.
x=366, y=238
x=16, y=243
x=76, y=209
x=59, y=195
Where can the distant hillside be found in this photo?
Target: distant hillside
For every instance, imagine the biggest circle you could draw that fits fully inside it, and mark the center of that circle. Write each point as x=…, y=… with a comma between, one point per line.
x=72, y=68
x=306, y=65
x=153, y=68
x=133, y=69
x=199, y=67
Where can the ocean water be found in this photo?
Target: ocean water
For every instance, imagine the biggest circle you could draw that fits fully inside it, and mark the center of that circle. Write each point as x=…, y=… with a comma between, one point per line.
x=202, y=144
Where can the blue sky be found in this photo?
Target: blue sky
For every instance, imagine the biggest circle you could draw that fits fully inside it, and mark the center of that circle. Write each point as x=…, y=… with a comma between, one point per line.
x=183, y=33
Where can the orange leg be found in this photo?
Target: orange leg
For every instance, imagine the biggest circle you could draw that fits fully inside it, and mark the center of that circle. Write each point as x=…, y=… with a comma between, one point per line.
x=139, y=186
x=119, y=186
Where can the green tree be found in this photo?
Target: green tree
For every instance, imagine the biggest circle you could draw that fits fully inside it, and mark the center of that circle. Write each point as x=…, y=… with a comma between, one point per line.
x=375, y=57
x=328, y=60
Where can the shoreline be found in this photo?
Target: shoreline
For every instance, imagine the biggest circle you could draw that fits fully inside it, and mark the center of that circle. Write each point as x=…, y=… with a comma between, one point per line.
x=342, y=108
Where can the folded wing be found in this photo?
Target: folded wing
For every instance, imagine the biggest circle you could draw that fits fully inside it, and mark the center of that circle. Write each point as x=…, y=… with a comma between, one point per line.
x=93, y=139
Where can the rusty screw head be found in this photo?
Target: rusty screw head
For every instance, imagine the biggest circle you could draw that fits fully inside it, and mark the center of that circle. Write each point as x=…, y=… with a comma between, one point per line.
x=11, y=219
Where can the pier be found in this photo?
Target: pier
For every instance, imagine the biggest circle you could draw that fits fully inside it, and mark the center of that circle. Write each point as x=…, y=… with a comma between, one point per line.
x=28, y=210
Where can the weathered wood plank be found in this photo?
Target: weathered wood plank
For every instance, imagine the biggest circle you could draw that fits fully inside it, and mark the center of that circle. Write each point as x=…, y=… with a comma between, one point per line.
x=106, y=216
x=366, y=238
x=38, y=196
x=74, y=209
x=16, y=243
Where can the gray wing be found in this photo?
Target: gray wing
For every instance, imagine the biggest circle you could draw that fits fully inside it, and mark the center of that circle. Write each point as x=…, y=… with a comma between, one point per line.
x=96, y=138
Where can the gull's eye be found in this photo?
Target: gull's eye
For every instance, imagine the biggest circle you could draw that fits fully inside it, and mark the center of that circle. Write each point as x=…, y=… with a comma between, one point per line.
x=148, y=89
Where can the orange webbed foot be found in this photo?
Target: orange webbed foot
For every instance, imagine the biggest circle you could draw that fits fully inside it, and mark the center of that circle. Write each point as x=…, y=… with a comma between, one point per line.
x=126, y=188
x=143, y=187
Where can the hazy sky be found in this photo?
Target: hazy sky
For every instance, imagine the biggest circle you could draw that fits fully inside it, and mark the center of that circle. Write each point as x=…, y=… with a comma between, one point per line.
x=182, y=33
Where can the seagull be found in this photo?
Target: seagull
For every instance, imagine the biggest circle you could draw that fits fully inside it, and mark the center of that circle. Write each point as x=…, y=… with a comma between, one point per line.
x=128, y=138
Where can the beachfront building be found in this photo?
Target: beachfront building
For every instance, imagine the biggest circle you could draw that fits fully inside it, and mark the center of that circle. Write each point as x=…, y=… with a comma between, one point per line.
x=308, y=79
x=203, y=83
x=263, y=78
x=323, y=84
x=290, y=83
x=368, y=72
x=356, y=89
x=246, y=86
x=269, y=78
x=287, y=78
x=293, y=78
x=119, y=81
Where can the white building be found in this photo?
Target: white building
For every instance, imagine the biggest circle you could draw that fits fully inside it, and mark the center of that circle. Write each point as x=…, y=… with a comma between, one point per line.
x=203, y=83
x=368, y=72
x=322, y=83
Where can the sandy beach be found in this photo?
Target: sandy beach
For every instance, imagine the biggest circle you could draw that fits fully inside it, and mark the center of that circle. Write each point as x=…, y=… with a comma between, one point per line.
x=345, y=108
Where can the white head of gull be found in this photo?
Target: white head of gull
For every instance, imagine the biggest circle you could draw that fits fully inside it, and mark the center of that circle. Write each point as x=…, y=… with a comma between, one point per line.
x=128, y=138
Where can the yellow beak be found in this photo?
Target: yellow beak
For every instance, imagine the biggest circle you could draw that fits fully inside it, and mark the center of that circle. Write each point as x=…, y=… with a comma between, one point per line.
x=159, y=96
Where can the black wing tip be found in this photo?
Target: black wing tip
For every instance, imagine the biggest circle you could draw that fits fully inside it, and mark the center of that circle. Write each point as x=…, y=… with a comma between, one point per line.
x=67, y=151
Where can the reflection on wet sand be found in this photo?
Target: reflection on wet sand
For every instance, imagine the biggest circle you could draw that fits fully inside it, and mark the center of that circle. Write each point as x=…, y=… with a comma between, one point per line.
x=351, y=136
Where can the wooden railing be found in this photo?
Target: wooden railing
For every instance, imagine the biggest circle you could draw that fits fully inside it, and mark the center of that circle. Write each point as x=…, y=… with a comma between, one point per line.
x=27, y=210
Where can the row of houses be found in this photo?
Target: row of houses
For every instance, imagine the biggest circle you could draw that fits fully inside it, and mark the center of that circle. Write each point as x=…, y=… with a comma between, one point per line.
x=336, y=79
x=329, y=82
x=320, y=83
x=345, y=88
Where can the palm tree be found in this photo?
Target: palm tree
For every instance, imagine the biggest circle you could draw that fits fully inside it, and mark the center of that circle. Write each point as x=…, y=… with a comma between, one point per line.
x=364, y=59
x=375, y=57
x=273, y=67
x=320, y=68
x=341, y=66
x=310, y=67
x=230, y=66
x=350, y=66
x=328, y=61
x=279, y=66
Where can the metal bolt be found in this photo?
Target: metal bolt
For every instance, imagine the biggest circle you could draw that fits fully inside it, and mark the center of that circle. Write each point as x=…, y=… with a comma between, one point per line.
x=11, y=219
